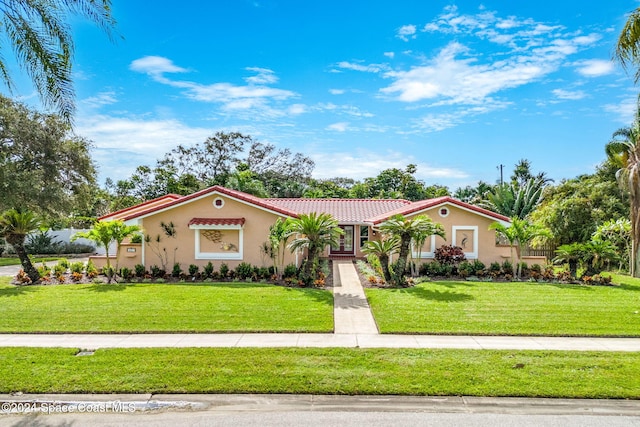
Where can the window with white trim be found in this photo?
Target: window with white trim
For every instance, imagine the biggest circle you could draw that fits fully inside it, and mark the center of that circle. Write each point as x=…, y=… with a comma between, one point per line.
x=219, y=241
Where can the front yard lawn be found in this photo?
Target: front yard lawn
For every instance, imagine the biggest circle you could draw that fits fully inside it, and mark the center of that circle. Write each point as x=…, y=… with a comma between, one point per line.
x=203, y=307
x=323, y=371
x=523, y=308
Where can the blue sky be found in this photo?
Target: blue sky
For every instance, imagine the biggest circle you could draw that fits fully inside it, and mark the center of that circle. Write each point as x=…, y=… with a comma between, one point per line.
x=456, y=88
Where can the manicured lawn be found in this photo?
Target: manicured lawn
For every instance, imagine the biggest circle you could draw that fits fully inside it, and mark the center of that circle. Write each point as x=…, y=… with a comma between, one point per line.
x=210, y=307
x=323, y=371
x=509, y=309
x=15, y=261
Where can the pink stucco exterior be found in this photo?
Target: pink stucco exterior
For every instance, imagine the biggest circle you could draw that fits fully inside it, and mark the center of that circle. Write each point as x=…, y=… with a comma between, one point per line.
x=222, y=225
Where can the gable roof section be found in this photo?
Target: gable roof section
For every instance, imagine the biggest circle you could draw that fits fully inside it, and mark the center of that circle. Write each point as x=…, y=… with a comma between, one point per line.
x=216, y=189
x=438, y=201
x=343, y=210
x=131, y=210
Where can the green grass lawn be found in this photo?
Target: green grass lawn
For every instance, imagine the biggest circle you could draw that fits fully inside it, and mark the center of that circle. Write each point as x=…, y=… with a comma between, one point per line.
x=15, y=261
x=509, y=308
x=323, y=371
x=210, y=307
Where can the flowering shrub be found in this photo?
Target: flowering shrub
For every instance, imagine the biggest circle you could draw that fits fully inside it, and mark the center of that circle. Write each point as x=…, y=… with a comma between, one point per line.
x=449, y=255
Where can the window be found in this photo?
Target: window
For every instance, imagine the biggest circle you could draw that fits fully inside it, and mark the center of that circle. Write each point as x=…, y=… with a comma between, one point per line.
x=444, y=212
x=364, y=235
x=218, y=202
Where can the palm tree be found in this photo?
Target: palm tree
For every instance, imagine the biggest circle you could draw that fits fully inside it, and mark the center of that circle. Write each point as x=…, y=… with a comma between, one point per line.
x=628, y=46
x=15, y=224
x=279, y=234
x=106, y=232
x=570, y=254
x=382, y=249
x=624, y=151
x=406, y=229
x=39, y=33
x=515, y=200
x=520, y=233
x=313, y=232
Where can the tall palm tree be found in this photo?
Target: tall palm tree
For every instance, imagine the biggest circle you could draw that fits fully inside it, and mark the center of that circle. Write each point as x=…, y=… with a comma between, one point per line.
x=406, y=229
x=313, y=232
x=516, y=200
x=15, y=224
x=382, y=249
x=624, y=151
x=520, y=233
x=627, y=50
x=39, y=33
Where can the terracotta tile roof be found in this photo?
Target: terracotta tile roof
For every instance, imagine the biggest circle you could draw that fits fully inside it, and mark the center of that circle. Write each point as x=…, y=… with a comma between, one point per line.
x=344, y=210
x=430, y=203
x=221, y=190
x=126, y=212
x=216, y=221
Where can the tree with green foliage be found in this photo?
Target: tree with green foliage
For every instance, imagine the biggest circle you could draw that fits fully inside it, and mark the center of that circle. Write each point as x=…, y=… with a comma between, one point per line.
x=627, y=50
x=624, y=151
x=313, y=232
x=104, y=233
x=40, y=34
x=519, y=233
x=618, y=233
x=279, y=233
x=382, y=249
x=405, y=230
x=570, y=254
x=43, y=166
x=515, y=200
x=15, y=225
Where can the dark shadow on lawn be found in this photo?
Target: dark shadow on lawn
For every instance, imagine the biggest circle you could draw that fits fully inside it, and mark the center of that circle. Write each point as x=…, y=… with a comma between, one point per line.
x=106, y=287
x=627, y=287
x=17, y=291
x=568, y=286
x=435, y=295
x=454, y=284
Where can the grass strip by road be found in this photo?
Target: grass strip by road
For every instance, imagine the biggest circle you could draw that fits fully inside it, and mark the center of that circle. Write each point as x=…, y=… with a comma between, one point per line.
x=517, y=308
x=5, y=261
x=147, y=307
x=323, y=371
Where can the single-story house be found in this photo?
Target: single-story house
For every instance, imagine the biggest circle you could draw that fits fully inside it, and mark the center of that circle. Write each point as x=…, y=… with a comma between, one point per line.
x=218, y=224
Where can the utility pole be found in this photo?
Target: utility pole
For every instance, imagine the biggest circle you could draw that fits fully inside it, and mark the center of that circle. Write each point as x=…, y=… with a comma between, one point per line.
x=500, y=167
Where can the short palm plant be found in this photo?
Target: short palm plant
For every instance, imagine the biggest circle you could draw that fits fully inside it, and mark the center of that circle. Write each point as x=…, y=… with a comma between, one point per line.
x=15, y=225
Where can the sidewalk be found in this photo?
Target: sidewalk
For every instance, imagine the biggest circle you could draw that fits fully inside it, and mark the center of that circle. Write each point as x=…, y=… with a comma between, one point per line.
x=351, y=311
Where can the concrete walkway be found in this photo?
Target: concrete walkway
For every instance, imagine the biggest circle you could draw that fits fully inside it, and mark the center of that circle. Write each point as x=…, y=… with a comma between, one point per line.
x=351, y=311
x=354, y=328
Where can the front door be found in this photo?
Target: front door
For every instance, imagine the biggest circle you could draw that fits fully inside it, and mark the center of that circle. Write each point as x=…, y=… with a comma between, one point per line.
x=345, y=246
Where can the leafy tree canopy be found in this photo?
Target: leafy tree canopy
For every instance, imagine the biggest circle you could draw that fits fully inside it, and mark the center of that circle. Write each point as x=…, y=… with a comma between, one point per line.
x=44, y=167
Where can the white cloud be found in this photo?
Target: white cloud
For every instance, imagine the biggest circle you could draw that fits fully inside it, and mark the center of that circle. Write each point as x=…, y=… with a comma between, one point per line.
x=155, y=65
x=255, y=95
x=371, y=68
x=569, y=95
x=594, y=67
x=297, y=109
x=102, y=98
x=263, y=76
x=336, y=91
x=338, y=127
x=366, y=163
x=624, y=111
x=406, y=32
x=389, y=54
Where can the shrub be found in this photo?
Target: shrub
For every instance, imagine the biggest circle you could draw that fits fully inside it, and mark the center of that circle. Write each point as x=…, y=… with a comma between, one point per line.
x=23, y=278
x=494, y=269
x=157, y=271
x=108, y=271
x=465, y=269
x=449, y=255
x=263, y=273
x=478, y=267
x=140, y=270
x=76, y=276
x=59, y=269
x=193, y=270
x=44, y=270
x=536, y=268
x=136, y=238
x=126, y=273
x=64, y=262
x=244, y=271
x=91, y=270
x=208, y=270
x=76, y=267
x=524, y=269
x=507, y=267
x=42, y=243
x=177, y=270
x=224, y=270
x=290, y=271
